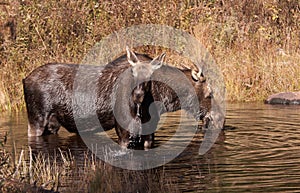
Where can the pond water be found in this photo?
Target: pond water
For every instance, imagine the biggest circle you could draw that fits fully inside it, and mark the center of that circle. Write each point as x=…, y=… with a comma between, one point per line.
x=259, y=150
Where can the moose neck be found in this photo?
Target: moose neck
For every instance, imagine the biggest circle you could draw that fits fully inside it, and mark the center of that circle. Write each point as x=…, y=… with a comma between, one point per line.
x=173, y=88
x=164, y=94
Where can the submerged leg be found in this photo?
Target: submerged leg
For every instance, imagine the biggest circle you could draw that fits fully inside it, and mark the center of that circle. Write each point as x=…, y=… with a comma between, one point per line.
x=36, y=125
x=123, y=136
x=148, y=141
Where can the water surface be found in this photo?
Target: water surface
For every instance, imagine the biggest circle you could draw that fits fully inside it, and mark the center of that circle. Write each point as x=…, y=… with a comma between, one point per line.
x=259, y=150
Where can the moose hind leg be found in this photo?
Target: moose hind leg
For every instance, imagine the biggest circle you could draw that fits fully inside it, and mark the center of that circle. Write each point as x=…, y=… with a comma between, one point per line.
x=36, y=125
x=34, y=130
x=53, y=124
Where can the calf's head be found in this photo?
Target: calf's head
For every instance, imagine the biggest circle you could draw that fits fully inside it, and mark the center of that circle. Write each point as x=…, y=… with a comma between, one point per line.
x=204, y=94
x=182, y=89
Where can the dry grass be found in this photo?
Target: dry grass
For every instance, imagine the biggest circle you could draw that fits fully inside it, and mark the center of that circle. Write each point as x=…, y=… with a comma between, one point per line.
x=26, y=171
x=256, y=44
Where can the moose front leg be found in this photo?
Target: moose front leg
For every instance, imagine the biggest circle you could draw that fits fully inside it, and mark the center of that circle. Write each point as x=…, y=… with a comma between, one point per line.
x=148, y=141
x=131, y=137
x=123, y=136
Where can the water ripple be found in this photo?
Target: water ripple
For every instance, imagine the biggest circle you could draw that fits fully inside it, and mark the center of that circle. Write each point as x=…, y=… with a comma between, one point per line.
x=259, y=150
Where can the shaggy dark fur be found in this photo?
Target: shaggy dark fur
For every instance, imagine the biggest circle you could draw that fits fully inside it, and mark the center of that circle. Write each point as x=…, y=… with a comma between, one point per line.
x=49, y=91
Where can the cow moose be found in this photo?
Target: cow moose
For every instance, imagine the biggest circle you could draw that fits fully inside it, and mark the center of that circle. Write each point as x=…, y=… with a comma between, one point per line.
x=48, y=92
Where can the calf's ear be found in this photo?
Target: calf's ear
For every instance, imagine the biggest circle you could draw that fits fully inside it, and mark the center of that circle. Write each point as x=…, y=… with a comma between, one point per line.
x=157, y=62
x=198, y=76
x=131, y=57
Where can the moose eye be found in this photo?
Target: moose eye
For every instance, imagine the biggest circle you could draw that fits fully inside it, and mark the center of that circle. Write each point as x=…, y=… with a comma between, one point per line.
x=202, y=78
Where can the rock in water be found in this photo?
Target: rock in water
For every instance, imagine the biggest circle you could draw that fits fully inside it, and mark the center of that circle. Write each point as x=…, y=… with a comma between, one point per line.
x=285, y=98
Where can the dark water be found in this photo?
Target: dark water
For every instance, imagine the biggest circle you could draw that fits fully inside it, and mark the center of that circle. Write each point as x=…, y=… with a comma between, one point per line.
x=259, y=150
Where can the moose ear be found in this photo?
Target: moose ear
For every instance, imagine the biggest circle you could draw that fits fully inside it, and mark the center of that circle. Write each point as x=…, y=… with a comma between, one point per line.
x=131, y=57
x=198, y=76
x=195, y=75
x=157, y=62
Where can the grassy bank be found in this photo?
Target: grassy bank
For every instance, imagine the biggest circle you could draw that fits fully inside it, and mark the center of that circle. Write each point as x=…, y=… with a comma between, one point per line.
x=256, y=44
x=27, y=171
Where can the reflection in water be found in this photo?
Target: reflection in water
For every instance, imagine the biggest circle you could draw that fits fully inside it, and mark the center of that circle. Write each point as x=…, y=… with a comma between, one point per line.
x=257, y=152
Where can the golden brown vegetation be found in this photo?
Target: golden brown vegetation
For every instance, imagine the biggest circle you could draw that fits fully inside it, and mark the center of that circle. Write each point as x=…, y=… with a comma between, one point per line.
x=27, y=171
x=255, y=43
